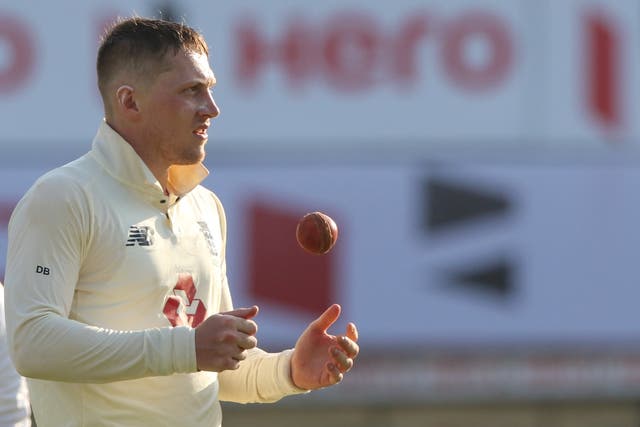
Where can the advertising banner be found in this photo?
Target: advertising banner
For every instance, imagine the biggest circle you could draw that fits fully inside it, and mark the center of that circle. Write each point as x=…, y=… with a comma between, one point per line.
x=465, y=254
x=405, y=76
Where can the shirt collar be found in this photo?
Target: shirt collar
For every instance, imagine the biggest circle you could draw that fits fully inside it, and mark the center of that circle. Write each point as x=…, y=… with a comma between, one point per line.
x=120, y=159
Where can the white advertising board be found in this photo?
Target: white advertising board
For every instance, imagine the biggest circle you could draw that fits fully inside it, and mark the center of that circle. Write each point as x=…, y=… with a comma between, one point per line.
x=402, y=75
x=540, y=254
x=460, y=254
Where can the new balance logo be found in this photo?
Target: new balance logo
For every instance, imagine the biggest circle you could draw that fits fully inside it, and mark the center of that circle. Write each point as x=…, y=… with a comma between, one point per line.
x=140, y=235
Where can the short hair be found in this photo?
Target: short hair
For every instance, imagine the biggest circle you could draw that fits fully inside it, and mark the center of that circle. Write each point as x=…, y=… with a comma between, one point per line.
x=140, y=44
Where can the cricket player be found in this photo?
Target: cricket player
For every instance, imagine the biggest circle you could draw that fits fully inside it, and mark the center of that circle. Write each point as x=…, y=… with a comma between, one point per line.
x=118, y=307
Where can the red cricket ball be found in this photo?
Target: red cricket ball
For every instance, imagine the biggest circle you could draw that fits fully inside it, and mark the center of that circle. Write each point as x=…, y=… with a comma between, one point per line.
x=316, y=233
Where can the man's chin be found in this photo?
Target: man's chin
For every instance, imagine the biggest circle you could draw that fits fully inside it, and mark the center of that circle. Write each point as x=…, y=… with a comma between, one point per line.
x=191, y=159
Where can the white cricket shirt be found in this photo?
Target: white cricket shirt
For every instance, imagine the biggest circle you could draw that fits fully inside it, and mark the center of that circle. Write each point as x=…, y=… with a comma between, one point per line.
x=106, y=278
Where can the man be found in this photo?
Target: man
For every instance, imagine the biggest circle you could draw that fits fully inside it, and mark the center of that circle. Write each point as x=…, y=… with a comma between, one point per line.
x=118, y=307
x=14, y=397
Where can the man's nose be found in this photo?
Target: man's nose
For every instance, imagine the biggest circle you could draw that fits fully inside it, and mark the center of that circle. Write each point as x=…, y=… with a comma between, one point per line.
x=210, y=109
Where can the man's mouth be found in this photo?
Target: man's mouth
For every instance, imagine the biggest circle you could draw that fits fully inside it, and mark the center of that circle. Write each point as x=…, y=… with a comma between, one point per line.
x=201, y=131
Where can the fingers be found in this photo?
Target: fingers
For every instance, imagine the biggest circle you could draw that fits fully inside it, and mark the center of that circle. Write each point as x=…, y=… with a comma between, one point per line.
x=242, y=318
x=248, y=327
x=352, y=332
x=349, y=343
x=347, y=351
x=244, y=344
x=245, y=313
x=327, y=318
x=247, y=342
x=334, y=374
x=223, y=339
x=341, y=360
x=245, y=339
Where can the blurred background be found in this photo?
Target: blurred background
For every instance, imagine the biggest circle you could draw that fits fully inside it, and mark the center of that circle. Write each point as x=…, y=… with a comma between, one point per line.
x=481, y=159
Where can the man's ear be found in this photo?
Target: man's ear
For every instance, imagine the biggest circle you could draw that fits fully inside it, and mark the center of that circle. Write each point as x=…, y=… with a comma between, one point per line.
x=125, y=97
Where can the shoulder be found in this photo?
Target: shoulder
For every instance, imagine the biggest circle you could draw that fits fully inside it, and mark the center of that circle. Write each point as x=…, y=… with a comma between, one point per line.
x=204, y=195
x=64, y=179
x=208, y=201
x=61, y=190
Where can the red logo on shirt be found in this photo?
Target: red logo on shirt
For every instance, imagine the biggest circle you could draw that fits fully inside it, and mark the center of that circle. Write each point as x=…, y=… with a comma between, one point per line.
x=183, y=308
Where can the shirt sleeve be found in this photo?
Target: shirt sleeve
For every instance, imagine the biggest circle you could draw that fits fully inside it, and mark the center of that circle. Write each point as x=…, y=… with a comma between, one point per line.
x=262, y=377
x=49, y=233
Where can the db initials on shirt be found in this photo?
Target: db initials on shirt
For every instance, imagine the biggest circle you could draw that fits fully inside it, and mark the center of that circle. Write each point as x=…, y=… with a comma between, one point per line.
x=42, y=270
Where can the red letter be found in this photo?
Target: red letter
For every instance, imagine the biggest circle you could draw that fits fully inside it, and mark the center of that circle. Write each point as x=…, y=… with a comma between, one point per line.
x=351, y=51
x=405, y=48
x=459, y=32
x=294, y=52
x=22, y=55
x=251, y=52
x=602, y=70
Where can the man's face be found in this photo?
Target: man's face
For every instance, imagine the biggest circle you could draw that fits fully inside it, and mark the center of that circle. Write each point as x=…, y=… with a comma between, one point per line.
x=177, y=108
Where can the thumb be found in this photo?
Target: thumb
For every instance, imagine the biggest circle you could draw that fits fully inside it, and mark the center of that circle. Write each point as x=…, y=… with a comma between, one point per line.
x=327, y=318
x=245, y=313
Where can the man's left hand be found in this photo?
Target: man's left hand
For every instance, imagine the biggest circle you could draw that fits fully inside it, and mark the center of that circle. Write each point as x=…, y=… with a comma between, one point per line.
x=319, y=359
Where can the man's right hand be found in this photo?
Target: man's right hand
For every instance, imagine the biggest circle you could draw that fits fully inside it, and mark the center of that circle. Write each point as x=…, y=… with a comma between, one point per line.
x=223, y=339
